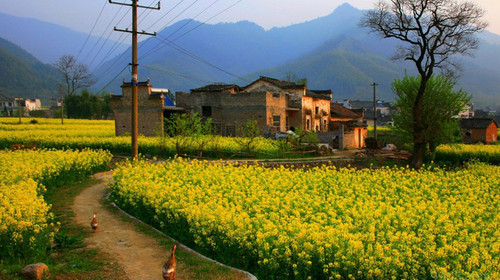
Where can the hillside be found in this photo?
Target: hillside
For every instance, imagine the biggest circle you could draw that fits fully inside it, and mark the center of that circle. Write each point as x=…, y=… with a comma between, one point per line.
x=48, y=42
x=22, y=75
x=332, y=52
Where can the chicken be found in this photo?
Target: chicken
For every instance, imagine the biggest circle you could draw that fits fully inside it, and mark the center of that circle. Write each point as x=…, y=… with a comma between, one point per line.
x=169, y=266
x=93, y=223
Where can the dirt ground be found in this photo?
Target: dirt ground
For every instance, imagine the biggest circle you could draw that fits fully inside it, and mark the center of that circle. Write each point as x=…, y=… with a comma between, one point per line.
x=139, y=255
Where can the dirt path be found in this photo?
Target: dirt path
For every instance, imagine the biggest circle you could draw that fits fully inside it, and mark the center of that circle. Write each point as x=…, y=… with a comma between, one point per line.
x=140, y=255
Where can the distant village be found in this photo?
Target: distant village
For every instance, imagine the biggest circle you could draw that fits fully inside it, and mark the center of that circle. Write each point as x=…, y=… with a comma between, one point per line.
x=279, y=107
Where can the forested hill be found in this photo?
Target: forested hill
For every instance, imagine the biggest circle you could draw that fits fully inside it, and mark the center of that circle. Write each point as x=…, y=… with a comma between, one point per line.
x=22, y=75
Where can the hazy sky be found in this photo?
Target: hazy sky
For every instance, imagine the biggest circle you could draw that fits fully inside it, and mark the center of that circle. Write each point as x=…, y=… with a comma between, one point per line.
x=81, y=15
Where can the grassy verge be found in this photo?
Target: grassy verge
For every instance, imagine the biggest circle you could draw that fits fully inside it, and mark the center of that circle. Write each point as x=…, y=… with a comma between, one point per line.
x=69, y=258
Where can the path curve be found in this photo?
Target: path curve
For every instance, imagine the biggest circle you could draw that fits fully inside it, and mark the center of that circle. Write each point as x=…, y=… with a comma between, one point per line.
x=140, y=255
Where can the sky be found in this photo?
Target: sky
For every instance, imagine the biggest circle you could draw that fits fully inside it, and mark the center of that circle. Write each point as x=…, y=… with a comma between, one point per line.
x=98, y=17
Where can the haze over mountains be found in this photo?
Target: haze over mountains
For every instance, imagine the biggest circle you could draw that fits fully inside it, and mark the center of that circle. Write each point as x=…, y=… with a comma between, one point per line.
x=332, y=52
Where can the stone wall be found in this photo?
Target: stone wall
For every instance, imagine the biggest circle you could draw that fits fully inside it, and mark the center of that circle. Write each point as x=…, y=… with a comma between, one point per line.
x=150, y=111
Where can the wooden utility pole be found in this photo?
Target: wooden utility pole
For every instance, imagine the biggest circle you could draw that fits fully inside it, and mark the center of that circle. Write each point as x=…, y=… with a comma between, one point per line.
x=62, y=105
x=375, y=110
x=19, y=99
x=134, y=80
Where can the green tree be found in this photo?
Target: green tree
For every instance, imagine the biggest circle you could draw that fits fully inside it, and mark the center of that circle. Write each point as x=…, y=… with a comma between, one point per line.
x=188, y=130
x=87, y=105
x=441, y=102
x=247, y=134
x=432, y=32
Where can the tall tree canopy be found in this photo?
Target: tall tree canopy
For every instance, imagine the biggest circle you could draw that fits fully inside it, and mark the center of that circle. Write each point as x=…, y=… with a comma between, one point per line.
x=432, y=32
x=442, y=102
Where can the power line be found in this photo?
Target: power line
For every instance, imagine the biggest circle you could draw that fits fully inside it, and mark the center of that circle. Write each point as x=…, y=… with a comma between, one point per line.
x=176, y=74
x=207, y=20
x=91, y=30
x=104, y=87
x=107, y=38
x=192, y=19
x=195, y=57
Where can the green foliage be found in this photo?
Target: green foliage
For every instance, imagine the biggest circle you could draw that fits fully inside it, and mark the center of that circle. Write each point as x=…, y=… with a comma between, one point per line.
x=248, y=132
x=87, y=106
x=22, y=75
x=188, y=125
x=441, y=103
x=37, y=113
x=304, y=139
x=187, y=130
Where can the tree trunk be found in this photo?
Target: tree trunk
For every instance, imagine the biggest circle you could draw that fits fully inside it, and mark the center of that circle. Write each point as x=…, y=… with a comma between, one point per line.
x=419, y=142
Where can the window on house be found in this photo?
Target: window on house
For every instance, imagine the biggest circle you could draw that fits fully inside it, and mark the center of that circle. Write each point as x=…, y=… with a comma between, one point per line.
x=277, y=121
x=316, y=112
x=206, y=111
x=325, y=128
x=308, y=125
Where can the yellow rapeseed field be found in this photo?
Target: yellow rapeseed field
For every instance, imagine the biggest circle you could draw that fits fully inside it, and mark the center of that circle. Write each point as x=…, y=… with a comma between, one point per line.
x=25, y=218
x=325, y=223
x=462, y=153
x=99, y=134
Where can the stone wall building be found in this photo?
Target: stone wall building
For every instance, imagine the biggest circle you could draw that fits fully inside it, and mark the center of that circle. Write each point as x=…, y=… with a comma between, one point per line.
x=352, y=132
x=276, y=105
x=153, y=104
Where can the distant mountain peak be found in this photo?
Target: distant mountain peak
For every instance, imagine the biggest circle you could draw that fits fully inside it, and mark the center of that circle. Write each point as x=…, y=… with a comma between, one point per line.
x=345, y=8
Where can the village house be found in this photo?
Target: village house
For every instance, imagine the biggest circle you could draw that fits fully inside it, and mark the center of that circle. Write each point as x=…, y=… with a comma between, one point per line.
x=277, y=106
x=153, y=104
x=467, y=113
x=479, y=130
x=383, y=115
x=352, y=132
x=9, y=104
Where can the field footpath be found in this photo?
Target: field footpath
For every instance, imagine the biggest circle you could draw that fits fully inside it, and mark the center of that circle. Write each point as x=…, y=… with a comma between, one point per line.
x=140, y=255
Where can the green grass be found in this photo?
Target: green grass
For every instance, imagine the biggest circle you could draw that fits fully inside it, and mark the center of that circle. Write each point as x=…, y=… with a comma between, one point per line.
x=69, y=258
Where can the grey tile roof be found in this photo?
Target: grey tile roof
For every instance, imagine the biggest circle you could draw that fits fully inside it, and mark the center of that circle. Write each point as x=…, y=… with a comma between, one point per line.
x=477, y=123
x=217, y=88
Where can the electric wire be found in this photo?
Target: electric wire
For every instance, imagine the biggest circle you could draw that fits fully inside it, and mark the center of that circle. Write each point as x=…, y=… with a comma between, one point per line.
x=104, y=87
x=95, y=23
x=195, y=57
x=176, y=74
x=202, y=23
x=170, y=43
x=192, y=19
x=107, y=38
x=120, y=40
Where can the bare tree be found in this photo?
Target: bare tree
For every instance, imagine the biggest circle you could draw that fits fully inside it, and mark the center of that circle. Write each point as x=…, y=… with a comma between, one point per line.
x=76, y=75
x=432, y=33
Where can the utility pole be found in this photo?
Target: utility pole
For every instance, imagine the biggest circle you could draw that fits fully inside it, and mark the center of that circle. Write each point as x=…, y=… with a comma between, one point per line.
x=62, y=105
x=19, y=99
x=375, y=110
x=134, y=80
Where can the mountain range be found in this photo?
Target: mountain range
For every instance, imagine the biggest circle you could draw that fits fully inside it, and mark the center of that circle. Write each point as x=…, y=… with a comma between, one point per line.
x=332, y=52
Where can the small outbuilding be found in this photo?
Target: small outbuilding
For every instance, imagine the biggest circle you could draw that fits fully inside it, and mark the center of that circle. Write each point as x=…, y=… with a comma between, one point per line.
x=479, y=130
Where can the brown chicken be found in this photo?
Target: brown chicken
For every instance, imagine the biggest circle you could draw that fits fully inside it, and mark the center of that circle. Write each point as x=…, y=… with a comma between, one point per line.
x=169, y=266
x=93, y=223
